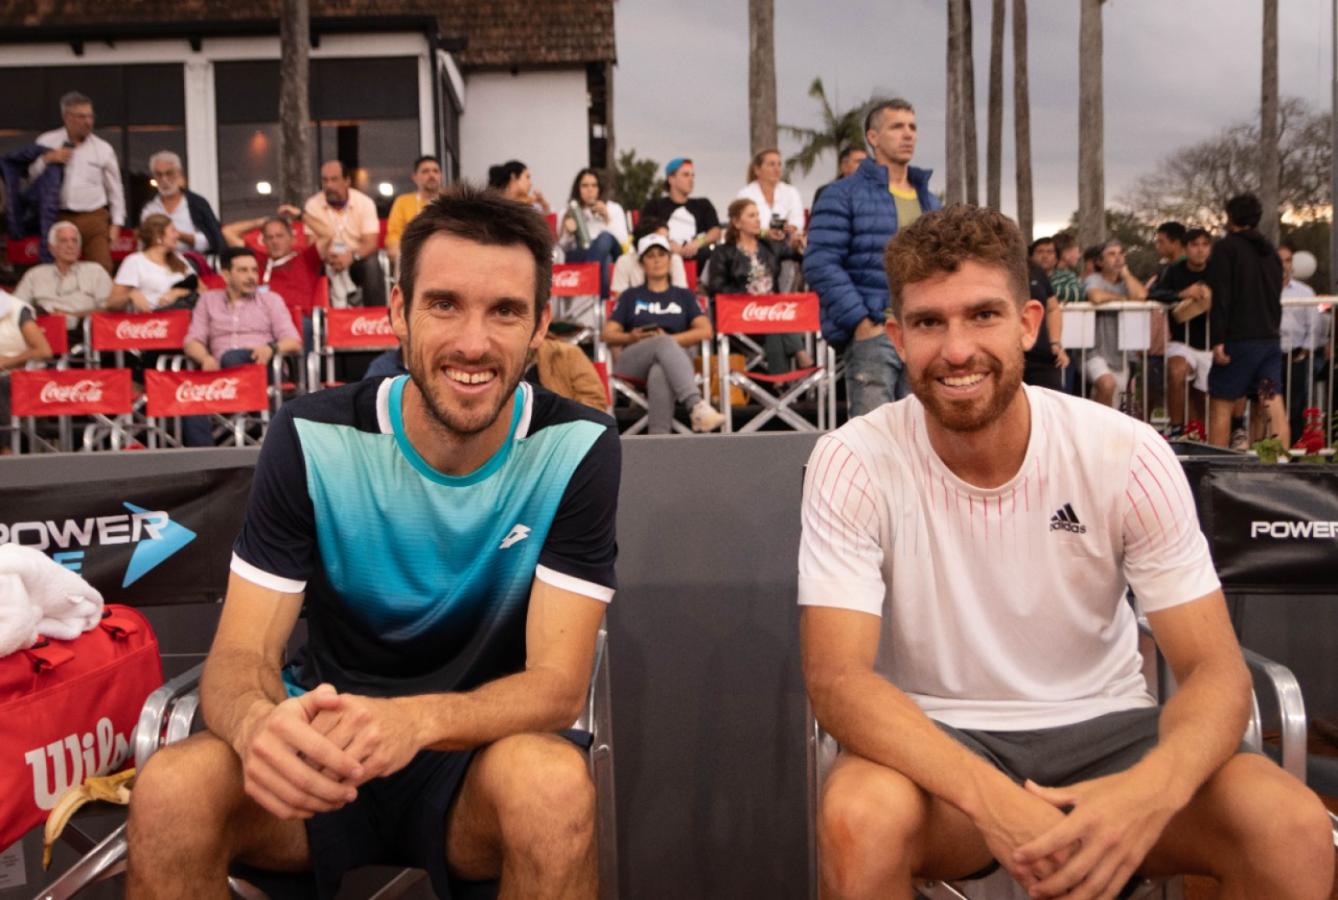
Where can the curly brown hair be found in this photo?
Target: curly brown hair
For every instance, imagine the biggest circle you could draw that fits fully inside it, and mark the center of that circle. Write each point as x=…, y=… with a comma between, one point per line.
x=939, y=242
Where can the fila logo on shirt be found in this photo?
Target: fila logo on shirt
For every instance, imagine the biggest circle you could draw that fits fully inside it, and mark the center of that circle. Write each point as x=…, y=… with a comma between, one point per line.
x=657, y=308
x=518, y=534
x=1065, y=518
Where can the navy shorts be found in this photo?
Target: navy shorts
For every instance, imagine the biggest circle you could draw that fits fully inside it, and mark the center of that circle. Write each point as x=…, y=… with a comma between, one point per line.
x=1252, y=364
x=399, y=820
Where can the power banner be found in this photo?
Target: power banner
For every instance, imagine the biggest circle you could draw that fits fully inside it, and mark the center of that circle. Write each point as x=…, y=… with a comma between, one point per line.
x=142, y=541
x=1272, y=529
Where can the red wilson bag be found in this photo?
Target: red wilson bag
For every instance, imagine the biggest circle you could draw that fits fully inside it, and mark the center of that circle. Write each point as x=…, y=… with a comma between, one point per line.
x=67, y=711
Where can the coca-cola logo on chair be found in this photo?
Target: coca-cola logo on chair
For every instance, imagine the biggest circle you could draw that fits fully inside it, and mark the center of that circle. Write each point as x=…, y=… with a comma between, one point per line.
x=70, y=392
x=140, y=331
x=575, y=279
x=243, y=389
x=365, y=328
x=766, y=313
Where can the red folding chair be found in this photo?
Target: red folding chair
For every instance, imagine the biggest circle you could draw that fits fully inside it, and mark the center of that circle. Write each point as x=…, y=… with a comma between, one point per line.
x=23, y=252
x=738, y=314
x=634, y=389
x=225, y=395
x=53, y=328
x=573, y=282
x=336, y=331
x=105, y=394
x=123, y=333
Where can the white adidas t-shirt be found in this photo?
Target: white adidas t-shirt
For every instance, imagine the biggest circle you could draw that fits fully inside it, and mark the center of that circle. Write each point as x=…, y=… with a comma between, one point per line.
x=1004, y=609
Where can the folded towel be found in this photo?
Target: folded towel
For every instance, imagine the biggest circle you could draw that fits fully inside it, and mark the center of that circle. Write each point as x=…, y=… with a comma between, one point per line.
x=18, y=616
x=66, y=604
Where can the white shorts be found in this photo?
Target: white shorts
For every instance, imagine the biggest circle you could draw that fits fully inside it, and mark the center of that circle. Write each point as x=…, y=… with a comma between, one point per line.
x=1096, y=366
x=1200, y=361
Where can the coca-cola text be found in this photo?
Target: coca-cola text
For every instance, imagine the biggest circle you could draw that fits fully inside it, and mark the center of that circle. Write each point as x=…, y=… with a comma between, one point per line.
x=86, y=390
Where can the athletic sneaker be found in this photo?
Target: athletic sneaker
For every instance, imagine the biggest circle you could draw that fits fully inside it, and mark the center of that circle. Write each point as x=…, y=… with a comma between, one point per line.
x=1240, y=440
x=1194, y=431
x=706, y=417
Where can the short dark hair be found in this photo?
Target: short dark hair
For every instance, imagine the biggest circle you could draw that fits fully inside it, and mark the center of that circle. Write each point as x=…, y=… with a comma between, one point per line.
x=1031, y=250
x=426, y=157
x=231, y=254
x=1289, y=244
x=1093, y=253
x=876, y=110
x=1173, y=230
x=343, y=168
x=1193, y=234
x=1063, y=241
x=1244, y=211
x=484, y=217
x=282, y=220
x=648, y=225
x=939, y=242
x=847, y=150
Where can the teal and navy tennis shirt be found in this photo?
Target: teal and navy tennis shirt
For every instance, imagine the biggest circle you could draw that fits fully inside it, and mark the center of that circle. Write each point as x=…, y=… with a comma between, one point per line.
x=417, y=581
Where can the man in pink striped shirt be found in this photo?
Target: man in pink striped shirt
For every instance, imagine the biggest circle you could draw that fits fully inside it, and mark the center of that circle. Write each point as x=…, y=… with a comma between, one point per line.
x=967, y=640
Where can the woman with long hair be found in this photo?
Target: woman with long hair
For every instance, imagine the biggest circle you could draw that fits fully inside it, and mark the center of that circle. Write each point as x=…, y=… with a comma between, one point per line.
x=593, y=229
x=155, y=277
x=512, y=178
x=749, y=263
x=780, y=205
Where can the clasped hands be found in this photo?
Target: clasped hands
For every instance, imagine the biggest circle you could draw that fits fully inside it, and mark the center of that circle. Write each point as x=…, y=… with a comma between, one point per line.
x=1083, y=841
x=309, y=754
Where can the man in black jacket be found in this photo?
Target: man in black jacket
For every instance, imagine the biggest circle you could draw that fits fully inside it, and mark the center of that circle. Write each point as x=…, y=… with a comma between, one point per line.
x=197, y=226
x=1245, y=278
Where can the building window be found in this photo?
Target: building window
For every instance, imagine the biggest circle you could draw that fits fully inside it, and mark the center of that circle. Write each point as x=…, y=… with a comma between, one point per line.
x=364, y=112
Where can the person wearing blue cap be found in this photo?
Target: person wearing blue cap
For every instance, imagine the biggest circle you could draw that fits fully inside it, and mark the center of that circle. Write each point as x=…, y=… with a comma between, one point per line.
x=693, y=223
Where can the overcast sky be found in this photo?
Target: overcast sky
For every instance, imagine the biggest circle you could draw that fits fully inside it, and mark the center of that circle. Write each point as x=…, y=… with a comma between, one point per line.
x=1175, y=73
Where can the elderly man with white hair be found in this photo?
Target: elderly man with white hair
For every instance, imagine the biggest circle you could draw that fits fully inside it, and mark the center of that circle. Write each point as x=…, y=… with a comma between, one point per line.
x=197, y=226
x=67, y=286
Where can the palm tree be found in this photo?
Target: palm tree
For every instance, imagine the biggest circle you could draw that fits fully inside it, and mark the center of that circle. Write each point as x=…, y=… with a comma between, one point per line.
x=994, y=128
x=1022, y=118
x=954, y=190
x=839, y=128
x=1091, y=160
x=294, y=41
x=761, y=75
x=1269, y=167
x=970, y=149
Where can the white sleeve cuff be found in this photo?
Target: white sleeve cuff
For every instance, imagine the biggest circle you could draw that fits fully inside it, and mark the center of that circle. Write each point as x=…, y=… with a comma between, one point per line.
x=573, y=584
x=860, y=596
x=259, y=576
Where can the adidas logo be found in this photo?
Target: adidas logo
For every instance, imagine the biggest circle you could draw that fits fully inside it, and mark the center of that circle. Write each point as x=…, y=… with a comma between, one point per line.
x=1065, y=518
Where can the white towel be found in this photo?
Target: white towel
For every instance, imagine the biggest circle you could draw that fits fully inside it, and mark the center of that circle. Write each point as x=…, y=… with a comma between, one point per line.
x=66, y=604
x=18, y=616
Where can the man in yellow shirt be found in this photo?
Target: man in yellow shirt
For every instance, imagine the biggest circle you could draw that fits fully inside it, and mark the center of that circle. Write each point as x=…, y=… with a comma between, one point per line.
x=427, y=178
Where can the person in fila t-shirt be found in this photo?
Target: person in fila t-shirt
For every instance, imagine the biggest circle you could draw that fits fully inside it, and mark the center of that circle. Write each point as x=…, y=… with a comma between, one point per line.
x=966, y=638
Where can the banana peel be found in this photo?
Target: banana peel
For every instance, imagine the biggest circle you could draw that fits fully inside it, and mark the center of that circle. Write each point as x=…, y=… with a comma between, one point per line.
x=107, y=788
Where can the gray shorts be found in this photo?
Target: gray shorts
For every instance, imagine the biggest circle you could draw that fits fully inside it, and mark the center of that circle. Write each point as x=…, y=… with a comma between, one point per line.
x=1057, y=757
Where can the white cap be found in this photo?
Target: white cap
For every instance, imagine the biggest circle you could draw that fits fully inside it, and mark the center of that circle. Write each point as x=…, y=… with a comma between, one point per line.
x=652, y=240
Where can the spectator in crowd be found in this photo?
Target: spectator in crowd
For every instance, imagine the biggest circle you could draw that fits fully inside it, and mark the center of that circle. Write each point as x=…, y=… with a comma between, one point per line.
x=1245, y=281
x=693, y=223
x=778, y=203
x=564, y=369
x=594, y=229
x=650, y=331
x=68, y=286
x=1304, y=333
x=349, y=216
x=984, y=684
x=1189, y=357
x=1169, y=241
x=849, y=230
x=1045, y=360
x=1112, y=282
x=513, y=179
x=197, y=226
x=748, y=262
x=847, y=163
x=292, y=273
x=236, y=326
x=627, y=271
x=21, y=342
x=91, y=195
x=1064, y=276
x=155, y=277
x=1091, y=261
x=427, y=184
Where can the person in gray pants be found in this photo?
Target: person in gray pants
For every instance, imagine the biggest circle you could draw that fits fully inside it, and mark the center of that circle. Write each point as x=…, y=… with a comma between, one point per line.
x=650, y=330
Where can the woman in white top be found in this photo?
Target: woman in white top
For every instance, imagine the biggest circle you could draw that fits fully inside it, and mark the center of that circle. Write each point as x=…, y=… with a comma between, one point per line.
x=780, y=204
x=593, y=229
x=155, y=277
x=21, y=341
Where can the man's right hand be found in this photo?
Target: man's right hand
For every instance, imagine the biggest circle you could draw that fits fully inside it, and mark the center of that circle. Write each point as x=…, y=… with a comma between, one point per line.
x=210, y=365
x=289, y=768
x=289, y=210
x=868, y=328
x=59, y=155
x=1008, y=820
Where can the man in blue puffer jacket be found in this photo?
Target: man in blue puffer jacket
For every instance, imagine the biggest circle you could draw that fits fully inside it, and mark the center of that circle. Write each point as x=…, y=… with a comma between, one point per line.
x=849, y=231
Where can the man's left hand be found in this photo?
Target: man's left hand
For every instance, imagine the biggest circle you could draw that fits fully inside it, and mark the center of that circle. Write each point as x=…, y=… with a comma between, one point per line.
x=1061, y=358
x=1115, y=820
x=262, y=354
x=114, y=233
x=381, y=734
